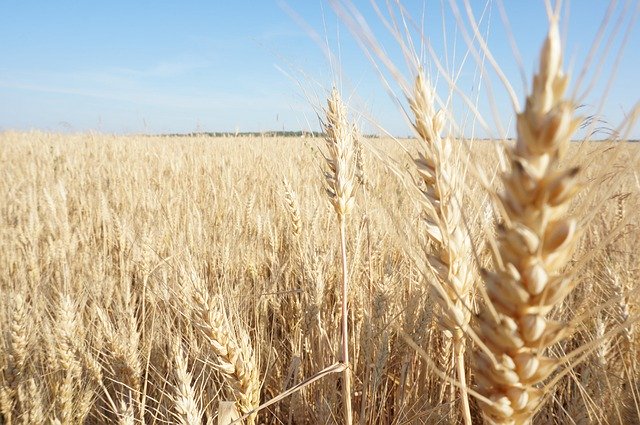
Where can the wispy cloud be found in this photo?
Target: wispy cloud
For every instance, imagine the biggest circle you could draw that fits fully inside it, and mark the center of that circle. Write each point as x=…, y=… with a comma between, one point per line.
x=114, y=83
x=278, y=33
x=203, y=101
x=163, y=69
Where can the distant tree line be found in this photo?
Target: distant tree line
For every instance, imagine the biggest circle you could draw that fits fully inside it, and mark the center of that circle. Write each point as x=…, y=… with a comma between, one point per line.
x=302, y=133
x=247, y=134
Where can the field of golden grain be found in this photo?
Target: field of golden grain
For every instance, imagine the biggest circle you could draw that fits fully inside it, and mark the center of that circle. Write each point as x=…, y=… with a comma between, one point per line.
x=152, y=279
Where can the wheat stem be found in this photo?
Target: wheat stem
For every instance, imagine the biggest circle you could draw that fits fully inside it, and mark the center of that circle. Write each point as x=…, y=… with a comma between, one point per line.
x=346, y=374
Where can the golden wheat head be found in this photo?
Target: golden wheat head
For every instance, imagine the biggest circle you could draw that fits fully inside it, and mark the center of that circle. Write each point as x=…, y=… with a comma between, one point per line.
x=534, y=241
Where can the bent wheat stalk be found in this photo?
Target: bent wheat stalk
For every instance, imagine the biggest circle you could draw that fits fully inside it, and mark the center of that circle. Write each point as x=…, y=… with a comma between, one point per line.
x=445, y=227
x=535, y=241
x=340, y=185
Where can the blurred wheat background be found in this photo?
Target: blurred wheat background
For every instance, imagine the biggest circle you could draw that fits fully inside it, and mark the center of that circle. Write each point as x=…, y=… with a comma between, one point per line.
x=146, y=278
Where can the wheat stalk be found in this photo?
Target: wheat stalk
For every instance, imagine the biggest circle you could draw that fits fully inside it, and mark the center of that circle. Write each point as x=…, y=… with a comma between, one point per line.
x=445, y=227
x=340, y=185
x=535, y=241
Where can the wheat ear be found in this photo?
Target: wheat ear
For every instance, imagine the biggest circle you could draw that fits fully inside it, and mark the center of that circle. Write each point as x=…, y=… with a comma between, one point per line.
x=445, y=227
x=188, y=412
x=340, y=185
x=18, y=342
x=535, y=240
x=30, y=398
x=66, y=334
x=235, y=359
x=291, y=203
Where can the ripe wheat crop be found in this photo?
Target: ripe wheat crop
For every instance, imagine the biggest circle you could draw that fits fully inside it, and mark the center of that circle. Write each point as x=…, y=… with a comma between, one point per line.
x=327, y=280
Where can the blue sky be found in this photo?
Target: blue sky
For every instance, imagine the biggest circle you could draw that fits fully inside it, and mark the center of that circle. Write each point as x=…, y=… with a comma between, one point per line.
x=256, y=65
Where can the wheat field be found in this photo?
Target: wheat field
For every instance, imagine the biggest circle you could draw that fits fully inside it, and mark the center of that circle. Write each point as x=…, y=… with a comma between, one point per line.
x=334, y=279
x=146, y=279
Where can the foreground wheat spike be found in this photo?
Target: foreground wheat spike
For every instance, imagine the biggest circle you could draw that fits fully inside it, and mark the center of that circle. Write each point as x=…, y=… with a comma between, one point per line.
x=188, y=412
x=340, y=183
x=451, y=245
x=340, y=173
x=235, y=358
x=535, y=240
